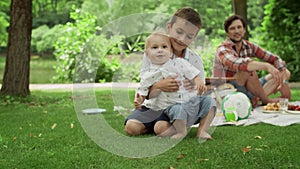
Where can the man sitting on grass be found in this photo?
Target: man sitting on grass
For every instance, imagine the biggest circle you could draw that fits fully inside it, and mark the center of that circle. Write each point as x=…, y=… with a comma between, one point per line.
x=235, y=58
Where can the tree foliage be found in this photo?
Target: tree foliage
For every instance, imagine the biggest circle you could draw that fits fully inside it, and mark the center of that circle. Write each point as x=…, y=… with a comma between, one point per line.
x=80, y=51
x=4, y=22
x=52, y=12
x=43, y=39
x=52, y=22
x=281, y=27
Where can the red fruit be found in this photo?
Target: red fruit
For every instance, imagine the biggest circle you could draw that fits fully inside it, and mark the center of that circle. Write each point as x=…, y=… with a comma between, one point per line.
x=292, y=107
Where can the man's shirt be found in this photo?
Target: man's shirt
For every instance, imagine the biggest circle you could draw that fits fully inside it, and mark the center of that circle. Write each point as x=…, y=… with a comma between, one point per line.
x=227, y=61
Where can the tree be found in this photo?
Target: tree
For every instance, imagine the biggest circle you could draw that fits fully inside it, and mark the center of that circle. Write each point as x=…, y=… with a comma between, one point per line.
x=16, y=74
x=240, y=8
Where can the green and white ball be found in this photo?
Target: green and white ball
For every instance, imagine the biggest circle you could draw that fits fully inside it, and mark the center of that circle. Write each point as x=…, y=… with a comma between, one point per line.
x=240, y=102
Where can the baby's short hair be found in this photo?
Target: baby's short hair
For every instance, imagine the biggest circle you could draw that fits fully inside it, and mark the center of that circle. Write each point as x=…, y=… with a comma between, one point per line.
x=152, y=35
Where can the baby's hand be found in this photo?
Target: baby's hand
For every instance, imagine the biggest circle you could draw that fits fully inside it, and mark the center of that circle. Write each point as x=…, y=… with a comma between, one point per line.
x=200, y=87
x=138, y=101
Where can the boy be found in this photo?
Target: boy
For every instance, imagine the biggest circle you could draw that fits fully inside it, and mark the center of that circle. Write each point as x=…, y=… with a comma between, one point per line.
x=159, y=51
x=182, y=29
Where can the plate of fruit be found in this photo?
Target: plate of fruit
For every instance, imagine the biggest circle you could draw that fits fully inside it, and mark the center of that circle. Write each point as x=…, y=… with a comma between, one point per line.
x=294, y=108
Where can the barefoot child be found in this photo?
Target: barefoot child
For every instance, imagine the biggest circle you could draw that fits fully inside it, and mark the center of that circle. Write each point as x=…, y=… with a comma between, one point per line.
x=159, y=51
x=182, y=29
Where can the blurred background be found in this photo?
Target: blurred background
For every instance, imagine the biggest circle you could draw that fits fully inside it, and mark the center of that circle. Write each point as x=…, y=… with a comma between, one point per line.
x=63, y=29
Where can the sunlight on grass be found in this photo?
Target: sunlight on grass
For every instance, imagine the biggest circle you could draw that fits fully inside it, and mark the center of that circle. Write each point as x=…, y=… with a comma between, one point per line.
x=28, y=139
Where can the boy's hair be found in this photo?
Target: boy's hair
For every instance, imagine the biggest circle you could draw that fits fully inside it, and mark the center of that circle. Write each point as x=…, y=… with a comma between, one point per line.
x=188, y=14
x=232, y=18
x=156, y=33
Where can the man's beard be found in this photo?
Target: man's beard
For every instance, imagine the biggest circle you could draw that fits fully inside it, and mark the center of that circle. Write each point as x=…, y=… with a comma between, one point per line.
x=236, y=41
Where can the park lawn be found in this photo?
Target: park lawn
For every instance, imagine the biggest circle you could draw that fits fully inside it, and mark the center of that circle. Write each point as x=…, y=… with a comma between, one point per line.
x=41, y=69
x=43, y=131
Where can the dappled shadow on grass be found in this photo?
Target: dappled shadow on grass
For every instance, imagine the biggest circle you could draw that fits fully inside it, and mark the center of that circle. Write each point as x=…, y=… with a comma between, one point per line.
x=33, y=100
x=28, y=139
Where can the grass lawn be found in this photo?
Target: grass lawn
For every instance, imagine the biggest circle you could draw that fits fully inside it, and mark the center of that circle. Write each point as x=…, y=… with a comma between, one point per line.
x=43, y=131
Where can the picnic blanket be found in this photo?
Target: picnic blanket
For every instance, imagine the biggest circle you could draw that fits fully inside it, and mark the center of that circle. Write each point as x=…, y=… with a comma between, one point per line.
x=259, y=116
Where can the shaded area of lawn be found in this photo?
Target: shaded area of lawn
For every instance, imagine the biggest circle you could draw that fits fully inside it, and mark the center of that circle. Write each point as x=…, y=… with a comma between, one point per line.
x=37, y=132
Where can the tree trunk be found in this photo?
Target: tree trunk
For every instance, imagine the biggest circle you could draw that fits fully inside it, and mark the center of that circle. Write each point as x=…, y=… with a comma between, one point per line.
x=240, y=8
x=16, y=75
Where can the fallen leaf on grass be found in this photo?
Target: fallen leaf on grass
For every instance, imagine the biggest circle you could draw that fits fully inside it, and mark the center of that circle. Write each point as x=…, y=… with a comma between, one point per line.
x=15, y=138
x=180, y=156
x=172, y=168
x=43, y=104
x=53, y=126
x=30, y=134
x=200, y=160
x=71, y=125
x=31, y=104
x=246, y=150
x=257, y=137
x=264, y=146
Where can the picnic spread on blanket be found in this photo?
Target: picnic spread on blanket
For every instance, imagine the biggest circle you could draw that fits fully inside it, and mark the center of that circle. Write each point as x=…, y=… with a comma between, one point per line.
x=261, y=114
x=234, y=108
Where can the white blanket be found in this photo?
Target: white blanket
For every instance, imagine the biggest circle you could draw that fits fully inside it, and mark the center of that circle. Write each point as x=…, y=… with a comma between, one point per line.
x=258, y=116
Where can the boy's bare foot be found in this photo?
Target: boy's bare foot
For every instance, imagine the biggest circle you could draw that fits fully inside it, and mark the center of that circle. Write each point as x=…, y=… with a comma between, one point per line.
x=204, y=135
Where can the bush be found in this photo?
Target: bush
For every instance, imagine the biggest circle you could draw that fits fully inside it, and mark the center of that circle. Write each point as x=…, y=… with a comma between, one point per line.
x=46, y=44
x=281, y=27
x=82, y=54
x=44, y=38
x=129, y=68
x=37, y=36
x=206, y=48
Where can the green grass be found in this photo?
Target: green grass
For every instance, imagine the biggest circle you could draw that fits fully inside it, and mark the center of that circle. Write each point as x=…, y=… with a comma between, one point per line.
x=28, y=141
x=41, y=70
